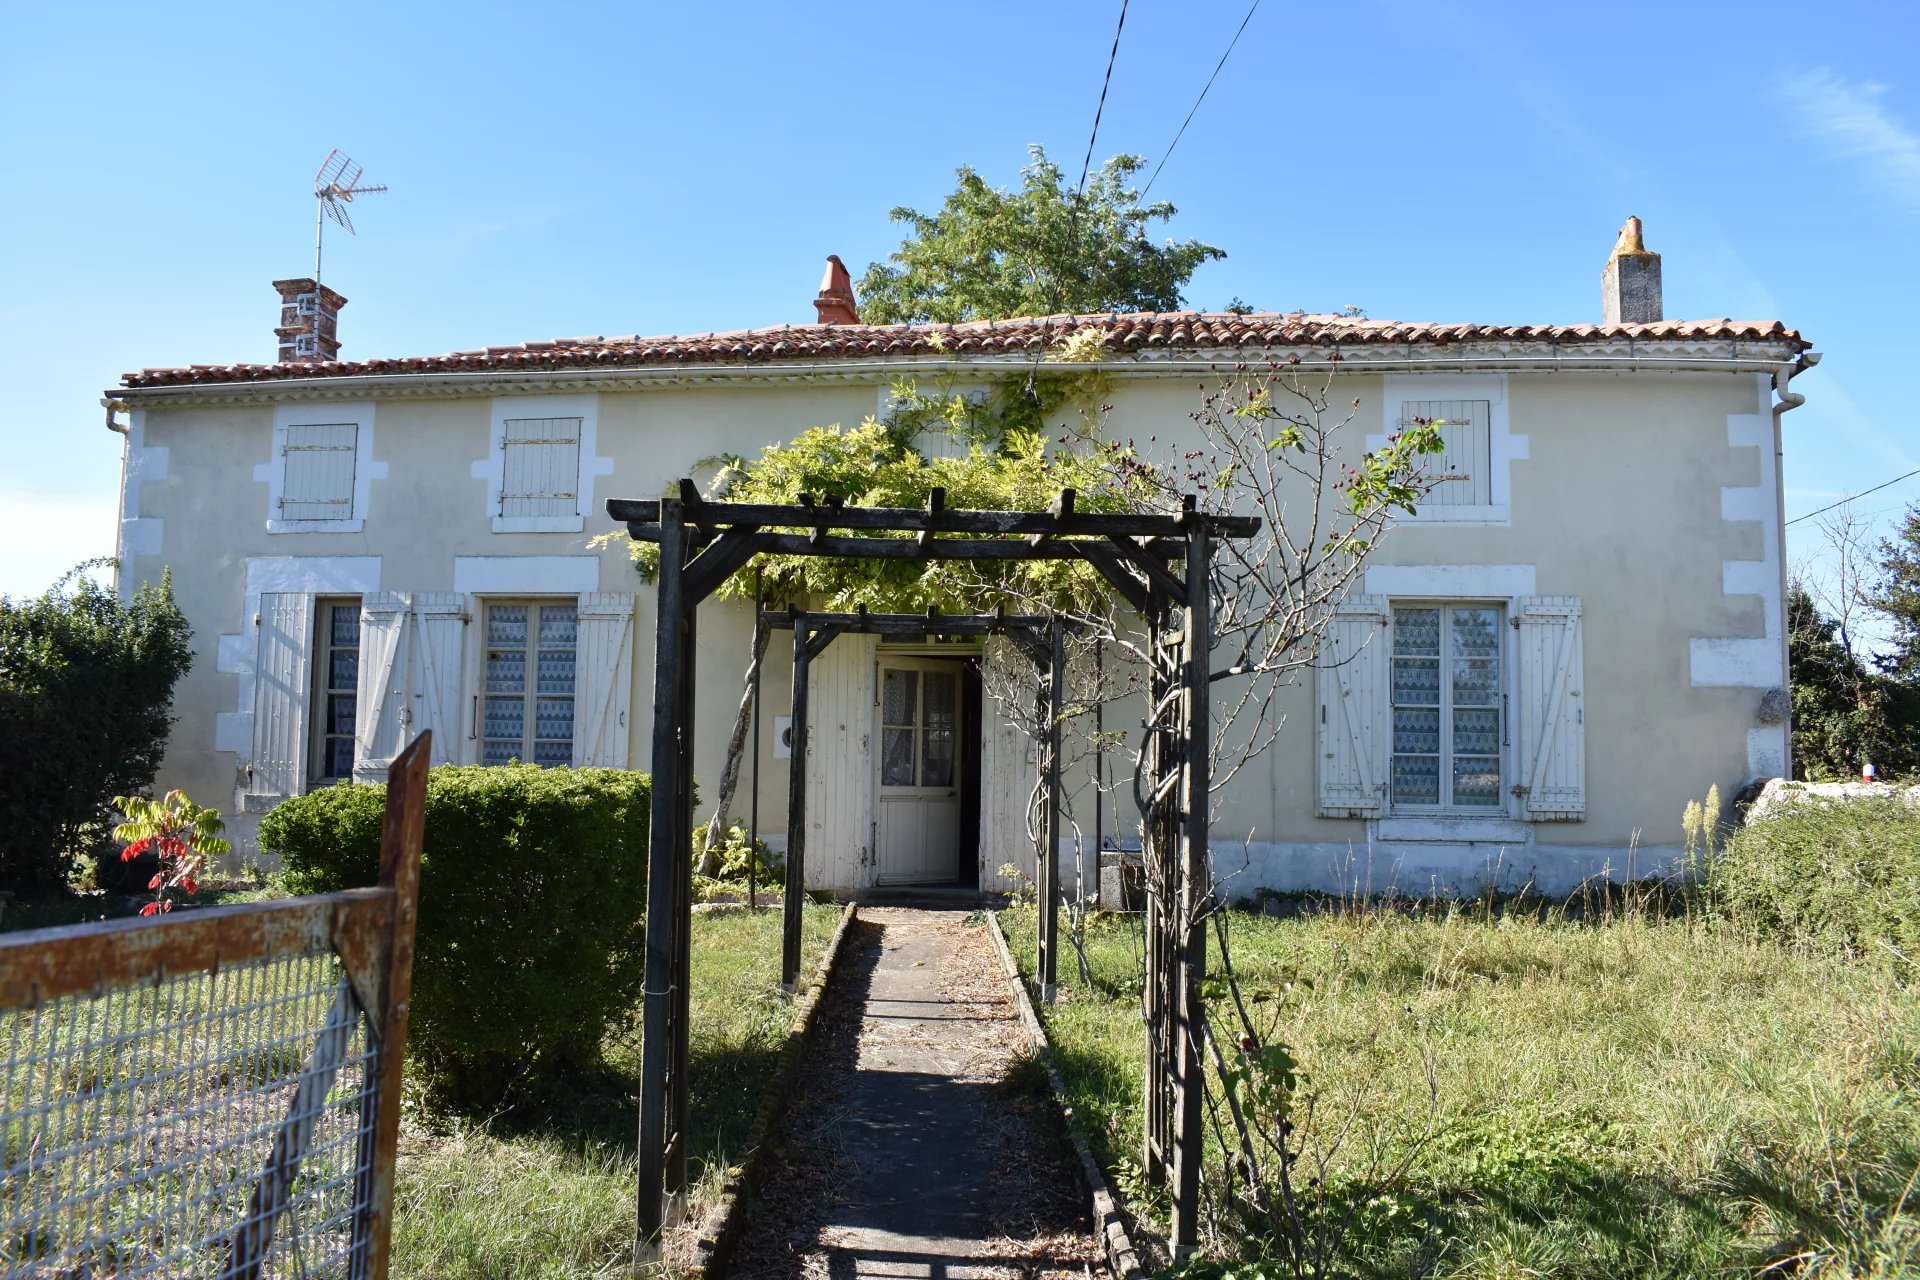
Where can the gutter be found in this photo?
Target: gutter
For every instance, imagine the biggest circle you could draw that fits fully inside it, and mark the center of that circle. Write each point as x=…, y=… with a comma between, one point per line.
x=456, y=383
x=1788, y=402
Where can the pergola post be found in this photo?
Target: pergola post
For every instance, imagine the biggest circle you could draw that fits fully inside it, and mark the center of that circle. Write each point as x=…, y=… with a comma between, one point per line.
x=1048, y=865
x=670, y=841
x=796, y=813
x=1194, y=899
x=1157, y=1083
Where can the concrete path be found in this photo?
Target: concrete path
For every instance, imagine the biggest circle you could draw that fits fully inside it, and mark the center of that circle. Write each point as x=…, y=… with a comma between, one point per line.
x=918, y=1145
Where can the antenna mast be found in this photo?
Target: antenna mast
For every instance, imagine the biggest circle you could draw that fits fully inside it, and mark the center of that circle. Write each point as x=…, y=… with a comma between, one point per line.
x=336, y=183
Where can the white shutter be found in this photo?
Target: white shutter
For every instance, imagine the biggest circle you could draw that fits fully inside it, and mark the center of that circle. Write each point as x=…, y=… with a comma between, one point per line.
x=1350, y=728
x=540, y=467
x=603, y=676
x=281, y=676
x=1464, y=464
x=380, y=729
x=319, y=478
x=440, y=645
x=1553, y=753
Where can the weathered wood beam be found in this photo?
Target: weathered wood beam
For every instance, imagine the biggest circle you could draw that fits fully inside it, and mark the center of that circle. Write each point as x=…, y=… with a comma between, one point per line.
x=808, y=514
x=728, y=554
x=1152, y=566
x=1107, y=561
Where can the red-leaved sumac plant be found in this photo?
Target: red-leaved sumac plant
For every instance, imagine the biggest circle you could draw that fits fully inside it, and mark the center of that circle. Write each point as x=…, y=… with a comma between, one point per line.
x=182, y=835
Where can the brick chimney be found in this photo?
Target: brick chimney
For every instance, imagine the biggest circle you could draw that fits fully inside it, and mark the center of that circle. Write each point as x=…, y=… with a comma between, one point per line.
x=835, y=303
x=309, y=327
x=1630, y=283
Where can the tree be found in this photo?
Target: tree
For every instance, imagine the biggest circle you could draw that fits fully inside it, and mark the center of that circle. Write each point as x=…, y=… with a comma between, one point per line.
x=86, y=697
x=1899, y=597
x=993, y=254
x=1843, y=713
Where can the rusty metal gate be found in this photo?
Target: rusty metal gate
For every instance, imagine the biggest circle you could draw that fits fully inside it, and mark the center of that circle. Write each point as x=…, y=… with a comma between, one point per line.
x=214, y=1093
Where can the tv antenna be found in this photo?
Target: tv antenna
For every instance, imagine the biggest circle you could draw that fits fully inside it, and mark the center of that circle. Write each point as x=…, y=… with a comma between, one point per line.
x=335, y=185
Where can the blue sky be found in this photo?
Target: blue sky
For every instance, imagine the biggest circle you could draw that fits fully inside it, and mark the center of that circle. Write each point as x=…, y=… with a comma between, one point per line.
x=653, y=168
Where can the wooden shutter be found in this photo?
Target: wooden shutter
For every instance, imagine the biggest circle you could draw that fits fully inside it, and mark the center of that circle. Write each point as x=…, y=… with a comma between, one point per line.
x=440, y=644
x=1350, y=728
x=281, y=687
x=1465, y=463
x=319, y=479
x=540, y=467
x=380, y=730
x=603, y=675
x=1552, y=713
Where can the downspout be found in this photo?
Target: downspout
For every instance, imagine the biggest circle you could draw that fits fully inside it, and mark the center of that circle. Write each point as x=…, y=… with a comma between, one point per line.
x=1789, y=400
x=113, y=405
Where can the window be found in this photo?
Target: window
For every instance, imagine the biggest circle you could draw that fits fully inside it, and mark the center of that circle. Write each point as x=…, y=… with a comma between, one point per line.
x=319, y=471
x=1445, y=714
x=336, y=688
x=540, y=468
x=528, y=699
x=1448, y=708
x=1464, y=467
x=918, y=711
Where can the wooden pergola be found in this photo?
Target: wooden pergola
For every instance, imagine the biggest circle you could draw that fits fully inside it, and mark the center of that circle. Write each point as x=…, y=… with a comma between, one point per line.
x=1041, y=637
x=1158, y=564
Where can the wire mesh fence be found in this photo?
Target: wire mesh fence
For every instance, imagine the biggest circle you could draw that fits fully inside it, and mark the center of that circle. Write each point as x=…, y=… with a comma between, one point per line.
x=147, y=1129
x=213, y=1094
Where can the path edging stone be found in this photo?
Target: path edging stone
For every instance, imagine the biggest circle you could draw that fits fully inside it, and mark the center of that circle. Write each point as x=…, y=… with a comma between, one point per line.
x=1108, y=1223
x=711, y=1253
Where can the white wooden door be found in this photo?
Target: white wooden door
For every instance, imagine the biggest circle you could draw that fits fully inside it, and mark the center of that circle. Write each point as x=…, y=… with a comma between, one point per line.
x=917, y=805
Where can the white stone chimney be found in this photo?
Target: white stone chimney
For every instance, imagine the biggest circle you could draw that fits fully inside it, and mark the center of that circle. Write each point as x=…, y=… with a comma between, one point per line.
x=1630, y=283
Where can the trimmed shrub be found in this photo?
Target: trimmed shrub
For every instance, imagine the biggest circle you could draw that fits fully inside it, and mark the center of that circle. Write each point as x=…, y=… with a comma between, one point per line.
x=1841, y=873
x=86, y=701
x=532, y=906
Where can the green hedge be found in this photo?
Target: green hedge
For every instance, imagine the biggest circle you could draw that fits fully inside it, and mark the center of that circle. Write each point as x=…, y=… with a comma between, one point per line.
x=532, y=905
x=86, y=701
x=1842, y=873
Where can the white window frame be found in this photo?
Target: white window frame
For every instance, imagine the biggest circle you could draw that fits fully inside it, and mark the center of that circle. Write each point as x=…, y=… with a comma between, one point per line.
x=365, y=469
x=1503, y=447
x=317, y=728
x=493, y=467
x=529, y=694
x=1394, y=807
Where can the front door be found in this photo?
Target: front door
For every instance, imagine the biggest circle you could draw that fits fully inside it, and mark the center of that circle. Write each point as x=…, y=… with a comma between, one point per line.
x=917, y=818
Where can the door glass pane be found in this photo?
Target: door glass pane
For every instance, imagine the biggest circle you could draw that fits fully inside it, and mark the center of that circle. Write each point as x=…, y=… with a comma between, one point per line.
x=507, y=624
x=1476, y=682
x=1416, y=681
x=1476, y=781
x=936, y=764
x=559, y=624
x=506, y=670
x=896, y=757
x=1416, y=779
x=897, y=689
x=346, y=624
x=1416, y=632
x=1476, y=633
x=1416, y=730
x=1476, y=733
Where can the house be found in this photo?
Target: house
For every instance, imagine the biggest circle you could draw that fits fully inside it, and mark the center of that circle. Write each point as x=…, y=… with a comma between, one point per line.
x=1548, y=660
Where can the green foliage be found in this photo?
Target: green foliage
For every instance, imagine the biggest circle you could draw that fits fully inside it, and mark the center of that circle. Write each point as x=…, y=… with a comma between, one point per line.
x=741, y=860
x=1843, y=714
x=532, y=902
x=1837, y=873
x=182, y=836
x=86, y=697
x=1632, y=1096
x=1899, y=596
x=874, y=465
x=994, y=254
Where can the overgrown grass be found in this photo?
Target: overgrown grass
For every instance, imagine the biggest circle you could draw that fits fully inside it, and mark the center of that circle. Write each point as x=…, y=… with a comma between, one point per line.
x=1634, y=1096
x=546, y=1190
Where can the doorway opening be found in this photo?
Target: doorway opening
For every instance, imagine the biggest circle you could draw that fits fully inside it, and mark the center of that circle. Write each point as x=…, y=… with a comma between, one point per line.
x=926, y=819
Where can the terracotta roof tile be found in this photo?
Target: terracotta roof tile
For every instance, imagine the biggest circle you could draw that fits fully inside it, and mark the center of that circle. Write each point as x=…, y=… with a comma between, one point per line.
x=1199, y=331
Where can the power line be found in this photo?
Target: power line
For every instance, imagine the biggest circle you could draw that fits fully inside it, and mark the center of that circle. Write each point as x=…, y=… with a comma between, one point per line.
x=1863, y=493
x=1197, y=101
x=1086, y=163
